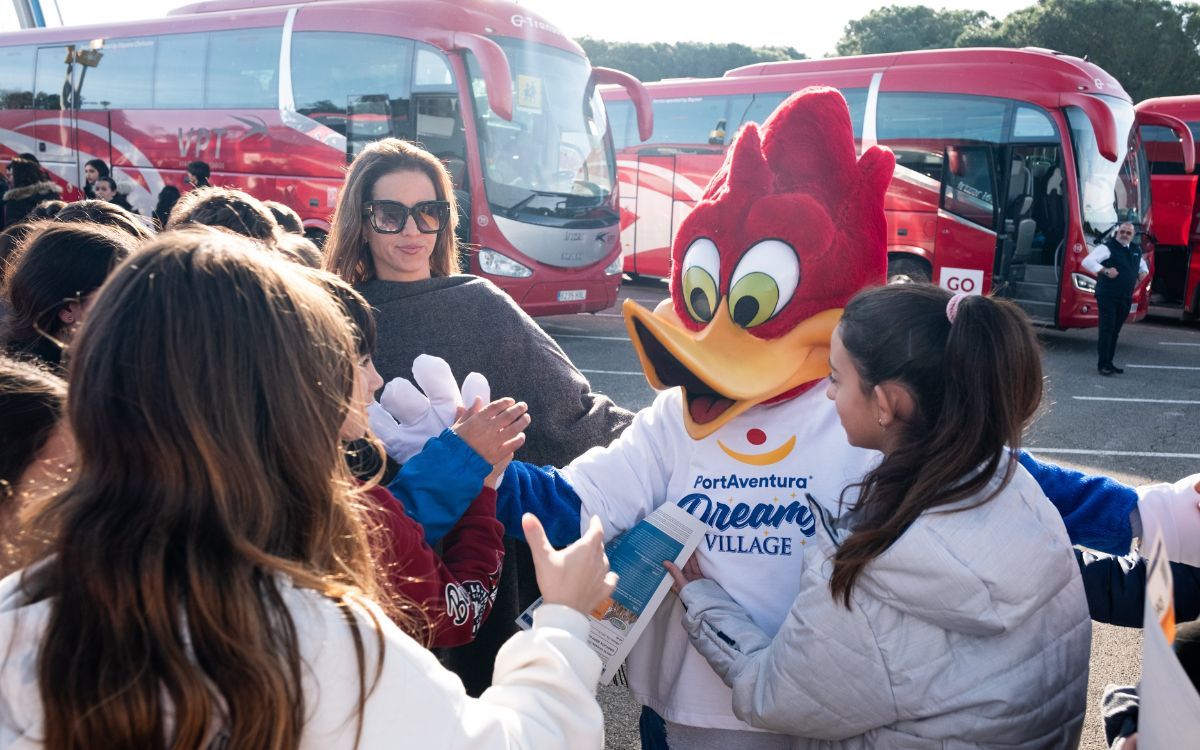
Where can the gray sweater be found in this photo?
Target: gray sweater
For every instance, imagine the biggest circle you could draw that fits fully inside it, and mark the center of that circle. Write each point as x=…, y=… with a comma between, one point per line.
x=475, y=327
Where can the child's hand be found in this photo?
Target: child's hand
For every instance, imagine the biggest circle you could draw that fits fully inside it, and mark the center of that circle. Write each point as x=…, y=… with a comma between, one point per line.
x=680, y=578
x=494, y=431
x=493, y=480
x=576, y=575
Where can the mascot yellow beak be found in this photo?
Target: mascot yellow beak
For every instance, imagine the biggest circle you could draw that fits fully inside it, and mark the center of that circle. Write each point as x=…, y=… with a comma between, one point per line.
x=723, y=369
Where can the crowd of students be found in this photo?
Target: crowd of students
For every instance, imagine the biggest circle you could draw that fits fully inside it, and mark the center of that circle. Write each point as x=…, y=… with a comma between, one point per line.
x=209, y=545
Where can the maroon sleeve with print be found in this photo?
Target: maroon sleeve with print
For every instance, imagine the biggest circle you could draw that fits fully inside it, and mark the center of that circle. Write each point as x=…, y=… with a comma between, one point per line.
x=456, y=590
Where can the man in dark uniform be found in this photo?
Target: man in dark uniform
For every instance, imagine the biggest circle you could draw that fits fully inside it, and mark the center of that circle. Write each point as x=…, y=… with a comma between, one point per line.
x=1119, y=267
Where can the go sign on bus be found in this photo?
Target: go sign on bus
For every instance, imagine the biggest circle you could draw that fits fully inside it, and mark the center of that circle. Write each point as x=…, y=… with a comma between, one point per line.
x=965, y=280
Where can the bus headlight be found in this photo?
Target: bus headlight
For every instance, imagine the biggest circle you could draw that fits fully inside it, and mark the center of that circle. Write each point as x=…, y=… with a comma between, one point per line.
x=495, y=264
x=614, y=268
x=1084, y=283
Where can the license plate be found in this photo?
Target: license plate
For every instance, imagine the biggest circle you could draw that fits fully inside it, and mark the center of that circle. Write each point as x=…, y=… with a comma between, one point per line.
x=1133, y=309
x=572, y=295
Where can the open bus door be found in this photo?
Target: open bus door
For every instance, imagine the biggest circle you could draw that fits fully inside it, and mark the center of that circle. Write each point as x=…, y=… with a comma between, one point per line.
x=1174, y=257
x=966, y=220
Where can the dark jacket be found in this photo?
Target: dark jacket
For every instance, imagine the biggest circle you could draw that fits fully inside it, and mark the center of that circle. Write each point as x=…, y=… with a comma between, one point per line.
x=1116, y=588
x=1127, y=261
x=18, y=202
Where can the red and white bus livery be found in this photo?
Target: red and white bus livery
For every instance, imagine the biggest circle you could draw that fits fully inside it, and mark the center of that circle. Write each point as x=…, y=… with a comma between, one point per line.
x=277, y=97
x=1175, y=233
x=1011, y=164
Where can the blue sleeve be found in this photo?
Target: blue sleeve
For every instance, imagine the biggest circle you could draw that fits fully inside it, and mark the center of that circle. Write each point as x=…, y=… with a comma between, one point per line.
x=438, y=484
x=1095, y=509
x=544, y=492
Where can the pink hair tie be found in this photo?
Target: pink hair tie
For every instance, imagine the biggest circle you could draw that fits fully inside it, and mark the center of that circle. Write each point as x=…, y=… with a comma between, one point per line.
x=952, y=306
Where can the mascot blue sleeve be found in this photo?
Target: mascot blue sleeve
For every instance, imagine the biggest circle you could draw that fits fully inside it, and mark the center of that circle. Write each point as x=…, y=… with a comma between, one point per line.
x=544, y=492
x=1096, y=510
x=437, y=485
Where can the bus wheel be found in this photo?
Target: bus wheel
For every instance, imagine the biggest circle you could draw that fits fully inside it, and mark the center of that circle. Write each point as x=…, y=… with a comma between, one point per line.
x=906, y=269
x=317, y=236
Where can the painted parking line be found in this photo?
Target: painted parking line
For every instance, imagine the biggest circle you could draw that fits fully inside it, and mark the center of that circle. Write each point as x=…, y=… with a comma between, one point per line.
x=1178, y=343
x=1162, y=367
x=1135, y=400
x=608, y=315
x=612, y=372
x=1037, y=450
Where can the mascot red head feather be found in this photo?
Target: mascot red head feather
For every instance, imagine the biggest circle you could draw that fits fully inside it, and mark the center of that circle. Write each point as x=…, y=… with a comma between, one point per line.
x=788, y=230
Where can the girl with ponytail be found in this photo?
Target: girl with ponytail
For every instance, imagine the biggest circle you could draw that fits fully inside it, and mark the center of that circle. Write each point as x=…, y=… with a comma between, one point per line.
x=944, y=606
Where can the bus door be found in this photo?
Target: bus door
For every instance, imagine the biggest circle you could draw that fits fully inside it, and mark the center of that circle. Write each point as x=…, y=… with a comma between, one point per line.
x=56, y=78
x=653, y=213
x=1033, y=228
x=966, y=236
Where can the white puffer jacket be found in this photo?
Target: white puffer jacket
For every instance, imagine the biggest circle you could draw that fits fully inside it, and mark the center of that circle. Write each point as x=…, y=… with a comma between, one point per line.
x=542, y=695
x=970, y=631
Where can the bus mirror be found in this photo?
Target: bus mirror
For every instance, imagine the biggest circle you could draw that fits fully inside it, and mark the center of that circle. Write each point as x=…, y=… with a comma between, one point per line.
x=1103, y=122
x=1181, y=131
x=497, y=75
x=637, y=94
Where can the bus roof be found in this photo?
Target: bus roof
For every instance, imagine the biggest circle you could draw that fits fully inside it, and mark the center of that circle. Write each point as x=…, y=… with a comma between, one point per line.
x=1186, y=108
x=482, y=17
x=994, y=68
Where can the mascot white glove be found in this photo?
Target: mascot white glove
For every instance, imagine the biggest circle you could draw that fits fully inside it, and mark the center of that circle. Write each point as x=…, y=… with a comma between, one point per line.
x=404, y=418
x=1173, y=510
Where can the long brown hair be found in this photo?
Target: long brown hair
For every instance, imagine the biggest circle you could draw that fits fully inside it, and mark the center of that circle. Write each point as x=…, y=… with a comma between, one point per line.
x=976, y=384
x=170, y=554
x=346, y=254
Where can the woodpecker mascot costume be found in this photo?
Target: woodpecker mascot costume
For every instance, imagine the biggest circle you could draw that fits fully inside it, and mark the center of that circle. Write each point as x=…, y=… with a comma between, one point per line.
x=741, y=434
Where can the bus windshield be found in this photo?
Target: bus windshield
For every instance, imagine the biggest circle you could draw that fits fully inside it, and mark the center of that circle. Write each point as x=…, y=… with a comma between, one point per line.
x=1110, y=192
x=551, y=159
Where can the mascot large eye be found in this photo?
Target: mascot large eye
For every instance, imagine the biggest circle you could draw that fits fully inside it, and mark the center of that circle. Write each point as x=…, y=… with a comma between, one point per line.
x=701, y=269
x=764, y=281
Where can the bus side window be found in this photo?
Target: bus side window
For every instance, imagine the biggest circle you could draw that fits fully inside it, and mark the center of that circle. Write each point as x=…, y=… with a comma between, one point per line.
x=179, y=71
x=618, y=113
x=16, y=77
x=119, y=76
x=969, y=184
x=329, y=67
x=762, y=106
x=52, y=78
x=243, y=69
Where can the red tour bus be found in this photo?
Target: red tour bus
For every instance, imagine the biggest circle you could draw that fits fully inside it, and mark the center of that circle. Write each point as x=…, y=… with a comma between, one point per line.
x=1175, y=234
x=276, y=98
x=1011, y=164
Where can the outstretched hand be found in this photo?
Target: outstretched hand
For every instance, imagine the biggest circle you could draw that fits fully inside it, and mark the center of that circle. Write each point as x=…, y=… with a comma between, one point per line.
x=576, y=575
x=494, y=431
x=680, y=578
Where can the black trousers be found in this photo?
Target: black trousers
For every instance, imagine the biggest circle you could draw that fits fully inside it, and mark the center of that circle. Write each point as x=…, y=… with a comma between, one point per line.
x=1112, y=312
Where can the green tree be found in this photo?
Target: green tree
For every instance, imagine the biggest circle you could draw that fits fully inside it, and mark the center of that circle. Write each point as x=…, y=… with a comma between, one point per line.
x=659, y=60
x=1150, y=46
x=897, y=28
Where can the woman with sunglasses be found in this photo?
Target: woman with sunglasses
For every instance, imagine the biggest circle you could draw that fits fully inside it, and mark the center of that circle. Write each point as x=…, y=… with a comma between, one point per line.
x=393, y=238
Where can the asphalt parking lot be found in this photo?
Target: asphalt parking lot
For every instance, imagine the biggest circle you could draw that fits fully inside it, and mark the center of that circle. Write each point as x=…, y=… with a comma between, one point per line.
x=1140, y=427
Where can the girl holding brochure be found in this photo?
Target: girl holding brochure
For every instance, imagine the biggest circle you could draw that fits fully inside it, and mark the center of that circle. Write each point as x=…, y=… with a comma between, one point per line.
x=915, y=619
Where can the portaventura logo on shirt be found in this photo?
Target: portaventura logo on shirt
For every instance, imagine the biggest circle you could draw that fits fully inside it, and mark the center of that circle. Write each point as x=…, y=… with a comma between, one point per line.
x=734, y=482
x=743, y=516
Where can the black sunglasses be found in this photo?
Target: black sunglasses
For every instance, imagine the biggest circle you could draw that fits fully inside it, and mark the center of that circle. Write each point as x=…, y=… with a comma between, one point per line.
x=389, y=217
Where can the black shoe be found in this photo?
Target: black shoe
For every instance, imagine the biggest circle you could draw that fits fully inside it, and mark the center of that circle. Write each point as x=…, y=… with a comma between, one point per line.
x=1117, y=370
x=1107, y=371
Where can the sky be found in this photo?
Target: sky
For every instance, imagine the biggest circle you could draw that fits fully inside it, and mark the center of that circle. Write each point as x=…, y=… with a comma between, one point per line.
x=757, y=22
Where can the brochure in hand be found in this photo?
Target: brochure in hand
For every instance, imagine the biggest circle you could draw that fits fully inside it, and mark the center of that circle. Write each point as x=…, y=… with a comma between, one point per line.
x=669, y=533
